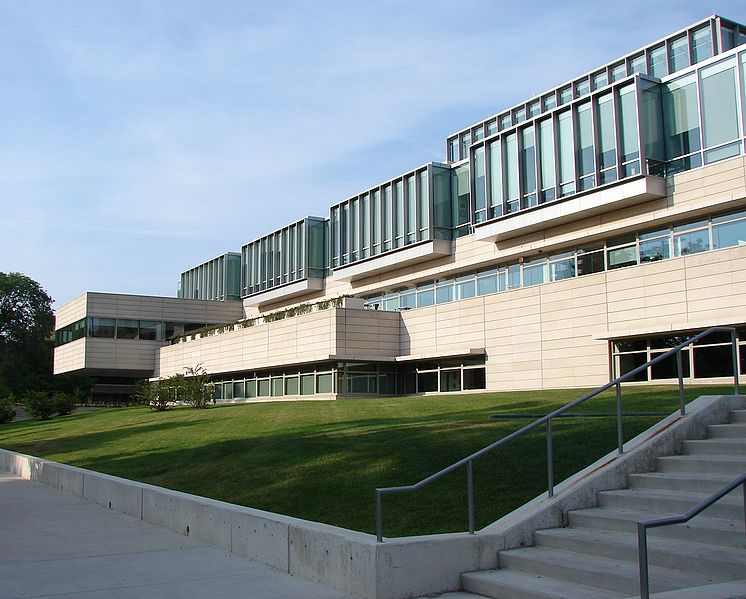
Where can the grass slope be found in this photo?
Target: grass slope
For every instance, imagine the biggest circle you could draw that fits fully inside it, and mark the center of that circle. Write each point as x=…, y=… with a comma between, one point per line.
x=321, y=460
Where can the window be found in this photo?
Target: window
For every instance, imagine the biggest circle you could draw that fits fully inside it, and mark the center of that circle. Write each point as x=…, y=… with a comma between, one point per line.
x=600, y=80
x=585, y=151
x=546, y=148
x=496, y=180
x=691, y=238
x=637, y=64
x=621, y=252
x=528, y=168
x=534, y=272
x=510, y=158
x=566, y=154
x=720, y=120
x=681, y=115
x=679, y=53
x=729, y=230
x=655, y=246
x=606, y=139
x=618, y=71
x=657, y=62
x=702, y=43
x=480, y=181
x=127, y=329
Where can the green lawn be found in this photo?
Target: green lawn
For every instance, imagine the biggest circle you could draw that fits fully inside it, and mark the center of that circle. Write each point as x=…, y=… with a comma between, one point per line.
x=322, y=460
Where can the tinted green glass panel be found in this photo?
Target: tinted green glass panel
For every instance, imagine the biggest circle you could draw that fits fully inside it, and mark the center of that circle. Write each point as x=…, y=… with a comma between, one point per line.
x=720, y=104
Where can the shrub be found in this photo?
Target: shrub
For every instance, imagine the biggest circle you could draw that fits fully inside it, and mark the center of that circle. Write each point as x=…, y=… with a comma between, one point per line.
x=63, y=403
x=194, y=387
x=157, y=395
x=7, y=408
x=39, y=405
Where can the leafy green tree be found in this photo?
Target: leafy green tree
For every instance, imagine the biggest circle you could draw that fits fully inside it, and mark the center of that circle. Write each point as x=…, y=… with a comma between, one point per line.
x=26, y=327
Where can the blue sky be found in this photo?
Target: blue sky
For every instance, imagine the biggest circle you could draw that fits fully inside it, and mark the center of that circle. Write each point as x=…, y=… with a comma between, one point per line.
x=140, y=138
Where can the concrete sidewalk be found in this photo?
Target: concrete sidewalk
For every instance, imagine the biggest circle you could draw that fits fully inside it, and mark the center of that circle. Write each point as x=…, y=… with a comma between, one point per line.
x=53, y=544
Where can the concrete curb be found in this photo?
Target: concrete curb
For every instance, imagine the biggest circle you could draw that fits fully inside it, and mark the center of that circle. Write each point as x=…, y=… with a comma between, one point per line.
x=352, y=561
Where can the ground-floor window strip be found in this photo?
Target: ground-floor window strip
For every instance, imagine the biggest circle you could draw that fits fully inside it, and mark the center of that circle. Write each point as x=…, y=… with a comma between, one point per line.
x=355, y=378
x=681, y=239
x=711, y=357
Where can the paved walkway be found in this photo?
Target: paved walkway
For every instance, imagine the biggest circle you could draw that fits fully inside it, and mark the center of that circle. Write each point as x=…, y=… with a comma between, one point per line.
x=57, y=545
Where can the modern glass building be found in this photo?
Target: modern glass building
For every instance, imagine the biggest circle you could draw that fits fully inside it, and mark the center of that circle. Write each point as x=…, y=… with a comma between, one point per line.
x=560, y=241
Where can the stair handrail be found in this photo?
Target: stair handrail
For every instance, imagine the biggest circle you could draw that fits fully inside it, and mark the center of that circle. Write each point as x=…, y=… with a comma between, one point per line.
x=617, y=382
x=643, y=525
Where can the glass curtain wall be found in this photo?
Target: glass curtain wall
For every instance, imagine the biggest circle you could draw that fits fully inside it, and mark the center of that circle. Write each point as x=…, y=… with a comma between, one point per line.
x=703, y=114
x=571, y=150
x=217, y=279
x=697, y=43
x=388, y=217
x=293, y=253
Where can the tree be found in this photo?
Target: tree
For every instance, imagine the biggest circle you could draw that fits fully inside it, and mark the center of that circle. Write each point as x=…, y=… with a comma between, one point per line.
x=26, y=327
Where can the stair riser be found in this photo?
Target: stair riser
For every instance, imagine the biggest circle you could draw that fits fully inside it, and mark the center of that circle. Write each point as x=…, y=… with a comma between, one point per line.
x=673, y=506
x=733, y=538
x=621, y=582
x=738, y=416
x=714, y=447
x=693, y=485
x=495, y=590
x=727, y=431
x=727, y=570
x=700, y=464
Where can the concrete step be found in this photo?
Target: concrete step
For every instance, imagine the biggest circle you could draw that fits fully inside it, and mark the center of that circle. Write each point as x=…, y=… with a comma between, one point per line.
x=702, y=530
x=685, y=481
x=738, y=416
x=612, y=574
x=722, y=590
x=710, y=464
x=672, y=503
x=727, y=431
x=512, y=584
x=723, y=562
x=724, y=447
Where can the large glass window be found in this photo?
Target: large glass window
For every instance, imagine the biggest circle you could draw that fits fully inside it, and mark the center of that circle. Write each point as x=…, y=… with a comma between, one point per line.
x=424, y=206
x=411, y=210
x=585, y=152
x=702, y=43
x=496, y=180
x=691, y=238
x=720, y=118
x=681, y=118
x=461, y=194
x=480, y=182
x=546, y=148
x=399, y=213
x=679, y=52
x=606, y=139
x=729, y=230
x=657, y=62
x=629, y=137
x=528, y=168
x=510, y=153
x=566, y=154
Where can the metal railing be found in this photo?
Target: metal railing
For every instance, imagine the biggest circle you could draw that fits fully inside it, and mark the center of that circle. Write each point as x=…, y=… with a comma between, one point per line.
x=642, y=528
x=547, y=420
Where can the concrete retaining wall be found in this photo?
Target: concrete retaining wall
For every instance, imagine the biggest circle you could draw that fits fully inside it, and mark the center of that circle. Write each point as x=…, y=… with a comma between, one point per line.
x=352, y=561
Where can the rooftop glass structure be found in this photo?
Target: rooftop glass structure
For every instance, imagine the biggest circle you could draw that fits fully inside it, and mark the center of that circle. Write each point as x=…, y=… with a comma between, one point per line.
x=216, y=279
x=674, y=105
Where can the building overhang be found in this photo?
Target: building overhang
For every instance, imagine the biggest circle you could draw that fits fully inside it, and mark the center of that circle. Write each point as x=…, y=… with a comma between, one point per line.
x=613, y=197
x=407, y=256
x=284, y=292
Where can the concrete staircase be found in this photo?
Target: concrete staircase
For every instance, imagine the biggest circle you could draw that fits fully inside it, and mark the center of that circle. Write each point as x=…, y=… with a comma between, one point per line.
x=595, y=556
